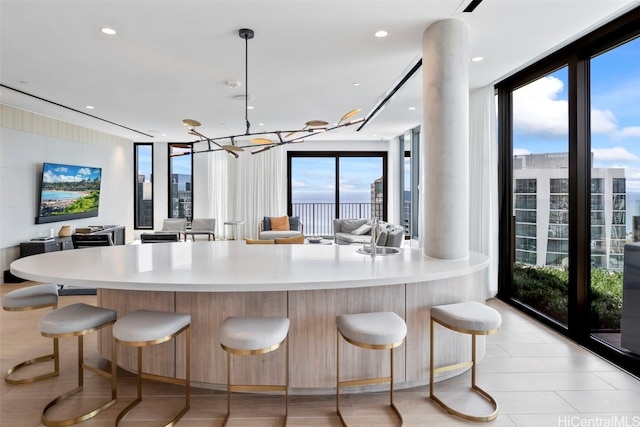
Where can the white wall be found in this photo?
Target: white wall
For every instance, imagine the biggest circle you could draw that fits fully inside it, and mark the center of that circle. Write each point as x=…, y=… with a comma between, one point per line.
x=26, y=141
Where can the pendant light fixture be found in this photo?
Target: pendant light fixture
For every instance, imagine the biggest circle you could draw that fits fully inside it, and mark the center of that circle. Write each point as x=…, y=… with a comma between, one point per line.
x=266, y=140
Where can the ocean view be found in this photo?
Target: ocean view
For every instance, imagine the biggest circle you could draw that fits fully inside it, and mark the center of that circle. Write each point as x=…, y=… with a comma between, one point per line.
x=62, y=195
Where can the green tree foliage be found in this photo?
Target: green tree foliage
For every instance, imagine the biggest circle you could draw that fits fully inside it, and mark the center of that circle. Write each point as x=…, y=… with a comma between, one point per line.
x=85, y=204
x=546, y=289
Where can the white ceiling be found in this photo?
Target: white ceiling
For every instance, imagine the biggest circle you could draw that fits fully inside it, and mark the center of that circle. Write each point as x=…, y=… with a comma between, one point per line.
x=171, y=60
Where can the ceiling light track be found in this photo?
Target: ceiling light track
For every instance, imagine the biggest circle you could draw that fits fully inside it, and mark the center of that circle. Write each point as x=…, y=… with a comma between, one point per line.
x=311, y=128
x=74, y=110
x=472, y=6
x=380, y=105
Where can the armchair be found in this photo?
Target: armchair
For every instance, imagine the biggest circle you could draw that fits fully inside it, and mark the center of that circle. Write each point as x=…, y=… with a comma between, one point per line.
x=203, y=227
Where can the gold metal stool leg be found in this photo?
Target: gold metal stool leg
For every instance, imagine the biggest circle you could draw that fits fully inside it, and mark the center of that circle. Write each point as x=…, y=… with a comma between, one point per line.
x=432, y=371
x=81, y=367
x=256, y=387
x=55, y=356
x=365, y=381
x=143, y=375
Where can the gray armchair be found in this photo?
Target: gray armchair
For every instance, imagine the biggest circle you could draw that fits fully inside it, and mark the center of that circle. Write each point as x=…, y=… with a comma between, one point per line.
x=202, y=227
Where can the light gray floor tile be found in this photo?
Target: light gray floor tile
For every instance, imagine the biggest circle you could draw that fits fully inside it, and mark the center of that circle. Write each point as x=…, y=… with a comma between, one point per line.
x=612, y=401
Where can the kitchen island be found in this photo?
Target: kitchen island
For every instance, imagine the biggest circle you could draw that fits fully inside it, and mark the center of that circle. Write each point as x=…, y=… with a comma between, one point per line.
x=311, y=284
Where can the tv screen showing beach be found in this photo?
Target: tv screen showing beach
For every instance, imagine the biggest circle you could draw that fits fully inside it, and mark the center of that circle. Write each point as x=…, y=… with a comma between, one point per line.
x=68, y=192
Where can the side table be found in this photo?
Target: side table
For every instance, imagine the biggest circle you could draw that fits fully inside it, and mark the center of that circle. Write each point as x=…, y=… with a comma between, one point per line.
x=235, y=227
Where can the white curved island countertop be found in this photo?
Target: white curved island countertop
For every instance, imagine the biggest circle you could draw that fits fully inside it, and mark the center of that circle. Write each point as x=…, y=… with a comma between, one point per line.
x=310, y=284
x=233, y=266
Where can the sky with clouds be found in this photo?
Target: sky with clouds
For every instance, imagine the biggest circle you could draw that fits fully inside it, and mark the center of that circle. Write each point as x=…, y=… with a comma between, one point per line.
x=541, y=111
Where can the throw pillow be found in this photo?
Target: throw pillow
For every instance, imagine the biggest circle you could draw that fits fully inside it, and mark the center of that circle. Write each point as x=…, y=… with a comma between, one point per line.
x=348, y=225
x=266, y=224
x=363, y=229
x=294, y=223
x=290, y=240
x=280, y=223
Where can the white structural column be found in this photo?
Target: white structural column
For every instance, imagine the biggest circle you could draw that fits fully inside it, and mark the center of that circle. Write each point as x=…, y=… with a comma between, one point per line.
x=445, y=146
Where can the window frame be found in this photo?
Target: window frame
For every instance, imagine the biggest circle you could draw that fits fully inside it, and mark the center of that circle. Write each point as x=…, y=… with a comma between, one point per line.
x=577, y=56
x=136, y=207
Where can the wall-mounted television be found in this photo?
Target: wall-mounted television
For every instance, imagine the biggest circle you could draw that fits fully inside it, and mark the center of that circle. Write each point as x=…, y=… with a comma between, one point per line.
x=68, y=192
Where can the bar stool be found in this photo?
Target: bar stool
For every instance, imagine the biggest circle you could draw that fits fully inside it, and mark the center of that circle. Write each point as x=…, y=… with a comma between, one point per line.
x=472, y=318
x=250, y=336
x=376, y=331
x=32, y=298
x=77, y=320
x=144, y=328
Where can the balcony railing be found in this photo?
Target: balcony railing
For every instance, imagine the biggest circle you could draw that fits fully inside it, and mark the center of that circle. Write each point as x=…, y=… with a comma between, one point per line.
x=318, y=217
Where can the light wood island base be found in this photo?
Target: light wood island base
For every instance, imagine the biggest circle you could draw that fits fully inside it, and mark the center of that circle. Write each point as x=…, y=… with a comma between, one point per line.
x=312, y=332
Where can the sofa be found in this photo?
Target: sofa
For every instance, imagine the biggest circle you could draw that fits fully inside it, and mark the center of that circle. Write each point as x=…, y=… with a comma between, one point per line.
x=284, y=227
x=358, y=231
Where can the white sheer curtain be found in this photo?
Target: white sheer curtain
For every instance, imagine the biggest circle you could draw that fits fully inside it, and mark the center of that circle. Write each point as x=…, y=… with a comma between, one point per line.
x=483, y=173
x=261, y=188
x=218, y=190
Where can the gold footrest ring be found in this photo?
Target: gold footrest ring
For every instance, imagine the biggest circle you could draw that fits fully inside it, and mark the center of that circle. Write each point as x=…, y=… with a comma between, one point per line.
x=75, y=420
x=478, y=418
x=40, y=359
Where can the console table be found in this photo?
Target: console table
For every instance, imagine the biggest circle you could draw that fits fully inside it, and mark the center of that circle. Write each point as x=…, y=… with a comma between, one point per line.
x=40, y=247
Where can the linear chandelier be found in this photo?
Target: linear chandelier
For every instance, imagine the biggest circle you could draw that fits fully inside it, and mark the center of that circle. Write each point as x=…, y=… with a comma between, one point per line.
x=265, y=140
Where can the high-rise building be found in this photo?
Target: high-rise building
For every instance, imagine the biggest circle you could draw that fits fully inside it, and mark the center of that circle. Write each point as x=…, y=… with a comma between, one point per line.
x=541, y=210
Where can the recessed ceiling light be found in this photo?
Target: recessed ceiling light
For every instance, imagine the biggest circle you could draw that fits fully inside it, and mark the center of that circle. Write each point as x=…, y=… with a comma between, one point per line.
x=477, y=59
x=250, y=107
x=108, y=31
x=260, y=124
x=356, y=84
x=90, y=107
x=412, y=108
x=381, y=33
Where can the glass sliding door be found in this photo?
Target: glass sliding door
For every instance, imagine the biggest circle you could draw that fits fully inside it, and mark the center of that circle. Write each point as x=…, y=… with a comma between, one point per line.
x=570, y=267
x=180, y=181
x=324, y=186
x=615, y=182
x=313, y=193
x=541, y=195
x=361, y=187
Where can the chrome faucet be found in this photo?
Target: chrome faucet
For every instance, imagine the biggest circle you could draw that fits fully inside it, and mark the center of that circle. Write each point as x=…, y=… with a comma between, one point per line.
x=375, y=232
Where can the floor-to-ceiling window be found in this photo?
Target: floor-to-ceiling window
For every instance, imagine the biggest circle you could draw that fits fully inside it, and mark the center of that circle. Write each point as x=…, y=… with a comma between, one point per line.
x=180, y=181
x=569, y=152
x=614, y=87
x=541, y=194
x=143, y=186
x=323, y=186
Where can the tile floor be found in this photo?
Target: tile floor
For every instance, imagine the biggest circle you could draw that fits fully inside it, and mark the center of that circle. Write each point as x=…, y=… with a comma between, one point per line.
x=538, y=377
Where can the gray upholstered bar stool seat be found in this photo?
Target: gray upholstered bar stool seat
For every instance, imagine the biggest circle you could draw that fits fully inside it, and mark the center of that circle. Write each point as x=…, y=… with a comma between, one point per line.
x=145, y=328
x=377, y=331
x=33, y=298
x=470, y=317
x=77, y=320
x=250, y=336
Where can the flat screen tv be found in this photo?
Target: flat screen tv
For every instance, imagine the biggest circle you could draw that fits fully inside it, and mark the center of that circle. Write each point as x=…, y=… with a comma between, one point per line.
x=68, y=192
